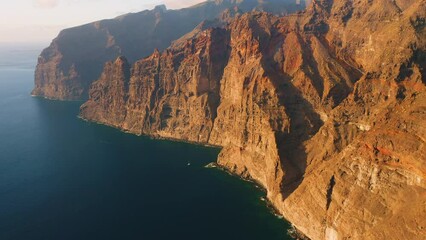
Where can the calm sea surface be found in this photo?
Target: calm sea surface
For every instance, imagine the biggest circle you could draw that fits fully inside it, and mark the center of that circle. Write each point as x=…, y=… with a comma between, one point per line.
x=63, y=178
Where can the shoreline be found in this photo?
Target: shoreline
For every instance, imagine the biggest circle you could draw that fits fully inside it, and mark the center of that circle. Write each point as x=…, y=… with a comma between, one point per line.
x=56, y=99
x=293, y=232
x=153, y=137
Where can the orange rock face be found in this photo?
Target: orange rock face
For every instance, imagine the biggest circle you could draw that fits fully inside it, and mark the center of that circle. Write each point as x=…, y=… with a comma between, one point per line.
x=173, y=94
x=74, y=59
x=326, y=109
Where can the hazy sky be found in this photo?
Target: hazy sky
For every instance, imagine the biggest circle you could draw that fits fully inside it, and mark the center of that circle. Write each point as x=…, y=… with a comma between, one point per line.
x=40, y=21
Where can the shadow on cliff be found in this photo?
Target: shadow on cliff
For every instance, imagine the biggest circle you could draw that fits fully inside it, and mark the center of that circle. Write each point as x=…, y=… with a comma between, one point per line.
x=304, y=122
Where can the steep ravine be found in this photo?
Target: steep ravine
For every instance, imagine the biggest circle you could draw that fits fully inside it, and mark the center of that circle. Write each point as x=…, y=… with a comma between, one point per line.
x=326, y=109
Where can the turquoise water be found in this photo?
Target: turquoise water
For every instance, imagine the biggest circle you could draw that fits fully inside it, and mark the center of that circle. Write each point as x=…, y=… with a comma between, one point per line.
x=63, y=178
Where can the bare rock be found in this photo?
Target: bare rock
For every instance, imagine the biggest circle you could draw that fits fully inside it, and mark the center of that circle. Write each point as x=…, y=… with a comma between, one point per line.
x=75, y=59
x=325, y=108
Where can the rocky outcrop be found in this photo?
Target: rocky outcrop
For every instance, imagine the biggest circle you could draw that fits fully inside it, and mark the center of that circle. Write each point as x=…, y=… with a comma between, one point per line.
x=66, y=69
x=325, y=108
x=173, y=94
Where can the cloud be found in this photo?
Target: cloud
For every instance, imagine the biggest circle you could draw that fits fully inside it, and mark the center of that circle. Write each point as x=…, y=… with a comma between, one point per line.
x=46, y=3
x=175, y=4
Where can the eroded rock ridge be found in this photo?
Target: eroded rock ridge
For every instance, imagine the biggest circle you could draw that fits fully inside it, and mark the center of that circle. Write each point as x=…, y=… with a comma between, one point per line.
x=75, y=59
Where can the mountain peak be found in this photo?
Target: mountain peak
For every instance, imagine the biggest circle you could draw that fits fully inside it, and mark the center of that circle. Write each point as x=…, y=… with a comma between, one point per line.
x=161, y=7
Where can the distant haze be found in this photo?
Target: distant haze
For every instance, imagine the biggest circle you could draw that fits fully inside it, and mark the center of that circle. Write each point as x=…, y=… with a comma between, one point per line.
x=39, y=21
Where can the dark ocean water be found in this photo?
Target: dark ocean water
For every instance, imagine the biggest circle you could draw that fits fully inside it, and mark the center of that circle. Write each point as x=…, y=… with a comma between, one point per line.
x=63, y=178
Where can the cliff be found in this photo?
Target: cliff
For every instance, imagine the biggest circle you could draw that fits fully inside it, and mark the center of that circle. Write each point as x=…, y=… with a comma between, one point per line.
x=325, y=108
x=75, y=59
x=170, y=94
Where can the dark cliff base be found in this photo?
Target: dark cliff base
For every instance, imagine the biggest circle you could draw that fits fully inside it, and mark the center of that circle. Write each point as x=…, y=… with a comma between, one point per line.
x=154, y=137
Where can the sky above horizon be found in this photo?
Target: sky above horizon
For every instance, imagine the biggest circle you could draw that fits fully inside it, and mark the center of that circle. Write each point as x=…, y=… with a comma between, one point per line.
x=39, y=21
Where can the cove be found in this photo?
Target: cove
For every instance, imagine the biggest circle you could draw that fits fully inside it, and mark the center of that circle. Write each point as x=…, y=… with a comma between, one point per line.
x=64, y=178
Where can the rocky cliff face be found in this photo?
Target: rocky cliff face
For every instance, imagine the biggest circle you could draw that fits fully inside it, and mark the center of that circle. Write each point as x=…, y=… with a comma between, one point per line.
x=75, y=59
x=326, y=109
x=171, y=94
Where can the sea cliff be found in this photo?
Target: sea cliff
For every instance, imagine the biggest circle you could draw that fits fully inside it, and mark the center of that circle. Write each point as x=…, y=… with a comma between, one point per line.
x=75, y=59
x=325, y=108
